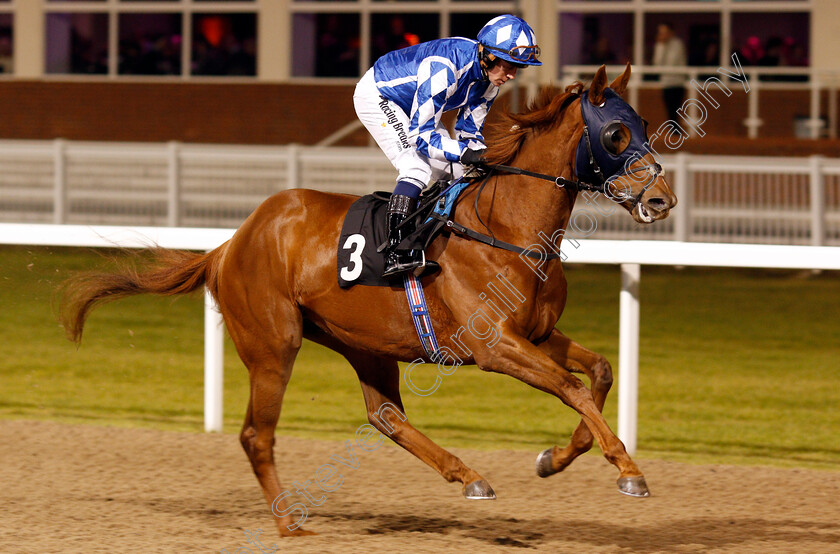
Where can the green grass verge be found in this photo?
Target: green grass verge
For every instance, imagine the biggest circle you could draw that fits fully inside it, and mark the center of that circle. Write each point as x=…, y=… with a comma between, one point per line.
x=736, y=367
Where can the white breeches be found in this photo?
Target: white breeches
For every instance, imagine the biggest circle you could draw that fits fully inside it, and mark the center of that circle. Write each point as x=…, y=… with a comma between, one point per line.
x=388, y=125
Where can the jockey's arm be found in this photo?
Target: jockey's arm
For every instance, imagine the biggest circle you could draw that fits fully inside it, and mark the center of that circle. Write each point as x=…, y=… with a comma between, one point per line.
x=470, y=122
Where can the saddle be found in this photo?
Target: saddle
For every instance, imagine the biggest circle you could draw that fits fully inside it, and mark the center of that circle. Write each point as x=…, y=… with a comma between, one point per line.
x=365, y=231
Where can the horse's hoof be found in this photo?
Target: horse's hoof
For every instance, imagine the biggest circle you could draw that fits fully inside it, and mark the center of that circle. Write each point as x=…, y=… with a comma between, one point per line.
x=479, y=490
x=633, y=486
x=544, y=466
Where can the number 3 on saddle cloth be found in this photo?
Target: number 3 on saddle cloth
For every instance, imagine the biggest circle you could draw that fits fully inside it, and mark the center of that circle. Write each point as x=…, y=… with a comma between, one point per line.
x=365, y=229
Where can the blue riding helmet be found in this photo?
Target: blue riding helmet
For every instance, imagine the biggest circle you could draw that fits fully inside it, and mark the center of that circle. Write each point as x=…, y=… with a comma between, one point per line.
x=510, y=38
x=596, y=158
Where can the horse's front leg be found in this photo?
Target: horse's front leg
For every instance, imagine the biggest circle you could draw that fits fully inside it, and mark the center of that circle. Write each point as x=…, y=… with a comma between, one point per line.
x=575, y=358
x=516, y=356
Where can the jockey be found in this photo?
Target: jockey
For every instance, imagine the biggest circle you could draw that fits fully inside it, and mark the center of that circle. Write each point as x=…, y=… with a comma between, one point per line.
x=401, y=99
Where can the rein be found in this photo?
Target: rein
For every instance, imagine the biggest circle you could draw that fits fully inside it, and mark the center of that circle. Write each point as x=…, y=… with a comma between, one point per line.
x=492, y=240
x=559, y=182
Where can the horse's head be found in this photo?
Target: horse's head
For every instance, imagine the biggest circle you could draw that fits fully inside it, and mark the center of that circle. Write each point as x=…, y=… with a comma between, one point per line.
x=614, y=151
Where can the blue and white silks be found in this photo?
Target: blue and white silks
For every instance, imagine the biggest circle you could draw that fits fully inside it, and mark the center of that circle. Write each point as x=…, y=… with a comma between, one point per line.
x=434, y=77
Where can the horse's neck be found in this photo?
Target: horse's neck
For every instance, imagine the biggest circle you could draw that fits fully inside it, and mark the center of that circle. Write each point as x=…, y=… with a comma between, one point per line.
x=518, y=208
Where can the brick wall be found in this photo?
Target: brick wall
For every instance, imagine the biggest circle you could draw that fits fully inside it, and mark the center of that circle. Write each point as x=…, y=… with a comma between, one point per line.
x=286, y=113
x=239, y=113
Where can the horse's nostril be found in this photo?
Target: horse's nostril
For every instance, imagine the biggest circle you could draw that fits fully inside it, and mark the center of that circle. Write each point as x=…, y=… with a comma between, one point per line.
x=658, y=203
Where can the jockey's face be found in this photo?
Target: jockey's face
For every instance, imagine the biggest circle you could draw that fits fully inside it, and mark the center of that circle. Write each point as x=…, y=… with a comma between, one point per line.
x=501, y=72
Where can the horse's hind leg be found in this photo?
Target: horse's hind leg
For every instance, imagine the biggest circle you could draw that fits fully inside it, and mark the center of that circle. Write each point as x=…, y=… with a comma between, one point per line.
x=268, y=344
x=575, y=358
x=380, y=380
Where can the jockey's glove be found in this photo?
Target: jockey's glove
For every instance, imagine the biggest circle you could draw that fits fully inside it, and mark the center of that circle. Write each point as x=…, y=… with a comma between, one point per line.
x=473, y=157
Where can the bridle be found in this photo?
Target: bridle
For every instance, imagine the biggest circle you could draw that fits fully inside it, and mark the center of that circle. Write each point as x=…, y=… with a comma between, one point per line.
x=578, y=185
x=601, y=183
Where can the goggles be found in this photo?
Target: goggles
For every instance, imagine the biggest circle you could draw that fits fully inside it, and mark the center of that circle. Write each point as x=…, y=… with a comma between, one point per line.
x=520, y=53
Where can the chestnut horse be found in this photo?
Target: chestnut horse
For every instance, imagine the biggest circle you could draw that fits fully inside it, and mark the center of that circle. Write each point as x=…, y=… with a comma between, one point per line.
x=275, y=282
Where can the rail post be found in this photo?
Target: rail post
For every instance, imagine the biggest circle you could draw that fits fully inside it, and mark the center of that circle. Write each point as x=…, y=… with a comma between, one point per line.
x=214, y=368
x=173, y=204
x=293, y=166
x=817, y=192
x=59, y=182
x=628, y=355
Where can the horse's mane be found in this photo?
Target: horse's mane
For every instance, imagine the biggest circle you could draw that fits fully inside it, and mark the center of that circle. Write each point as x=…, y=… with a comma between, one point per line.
x=543, y=111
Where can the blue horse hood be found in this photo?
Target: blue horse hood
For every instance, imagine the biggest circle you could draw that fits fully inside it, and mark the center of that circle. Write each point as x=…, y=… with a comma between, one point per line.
x=596, y=119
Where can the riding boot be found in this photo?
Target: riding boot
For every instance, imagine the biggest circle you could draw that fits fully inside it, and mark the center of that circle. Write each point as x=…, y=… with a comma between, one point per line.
x=397, y=260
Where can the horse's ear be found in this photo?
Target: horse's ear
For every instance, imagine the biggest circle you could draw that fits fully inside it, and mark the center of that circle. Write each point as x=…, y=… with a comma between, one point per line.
x=620, y=83
x=599, y=83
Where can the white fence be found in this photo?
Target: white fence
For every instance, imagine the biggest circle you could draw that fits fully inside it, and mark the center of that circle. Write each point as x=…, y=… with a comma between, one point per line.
x=630, y=255
x=722, y=198
x=169, y=184
x=767, y=200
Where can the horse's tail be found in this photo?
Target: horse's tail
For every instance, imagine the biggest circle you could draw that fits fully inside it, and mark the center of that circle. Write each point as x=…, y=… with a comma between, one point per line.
x=169, y=272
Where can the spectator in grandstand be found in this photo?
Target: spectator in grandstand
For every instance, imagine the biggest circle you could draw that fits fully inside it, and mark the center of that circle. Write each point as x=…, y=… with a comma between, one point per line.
x=669, y=51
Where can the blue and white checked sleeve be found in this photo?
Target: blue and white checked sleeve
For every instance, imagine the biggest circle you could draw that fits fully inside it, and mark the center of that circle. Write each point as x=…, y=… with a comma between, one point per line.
x=471, y=119
x=437, y=80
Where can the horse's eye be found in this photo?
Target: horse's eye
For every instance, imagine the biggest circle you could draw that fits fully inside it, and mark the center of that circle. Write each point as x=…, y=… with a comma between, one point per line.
x=611, y=137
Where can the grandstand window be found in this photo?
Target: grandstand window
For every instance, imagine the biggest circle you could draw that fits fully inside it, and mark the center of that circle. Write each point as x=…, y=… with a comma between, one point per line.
x=710, y=29
x=77, y=43
x=7, y=44
x=374, y=28
x=224, y=44
x=7, y=38
x=326, y=44
x=392, y=31
x=700, y=33
x=775, y=39
x=180, y=38
x=596, y=38
x=150, y=44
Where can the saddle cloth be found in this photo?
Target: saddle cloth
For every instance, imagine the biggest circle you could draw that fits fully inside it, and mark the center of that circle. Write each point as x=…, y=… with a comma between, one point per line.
x=365, y=227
